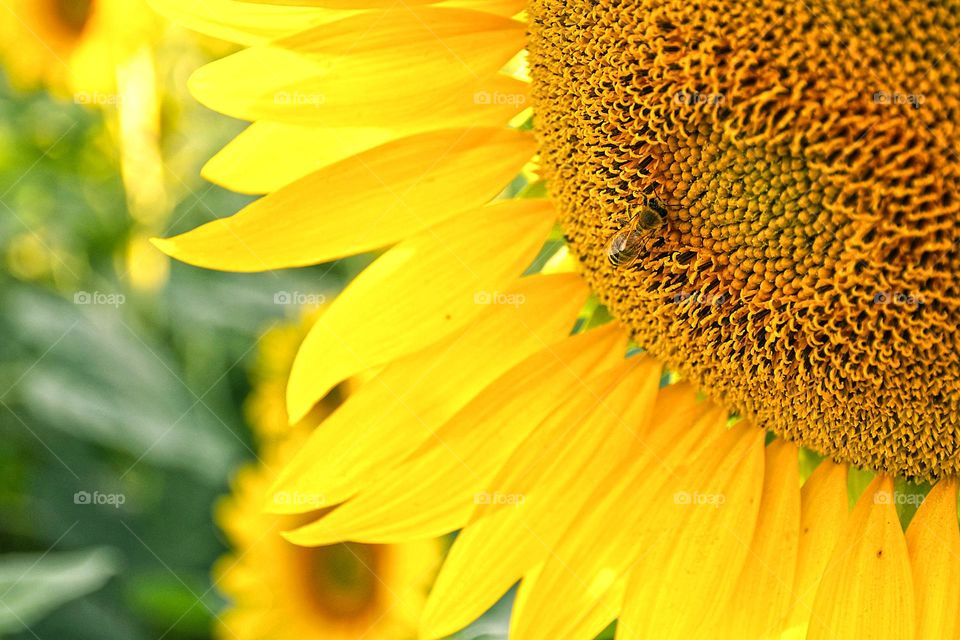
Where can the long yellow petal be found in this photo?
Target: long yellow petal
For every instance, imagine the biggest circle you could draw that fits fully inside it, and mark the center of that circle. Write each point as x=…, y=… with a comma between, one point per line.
x=338, y=4
x=396, y=411
x=762, y=596
x=500, y=7
x=362, y=203
x=435, y=489
x=418, y=292
x=693, y=561
x=867, y=590
x=933, y=542
x=243, y=22
x=523, y=595
x=575, y=595
x=333, y=76
x=823, y=515
x=608, y=426
x=555, y=469
x=268, y=156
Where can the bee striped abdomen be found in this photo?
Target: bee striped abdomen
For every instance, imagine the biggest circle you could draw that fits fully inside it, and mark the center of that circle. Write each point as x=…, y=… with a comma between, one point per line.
x=625, y=247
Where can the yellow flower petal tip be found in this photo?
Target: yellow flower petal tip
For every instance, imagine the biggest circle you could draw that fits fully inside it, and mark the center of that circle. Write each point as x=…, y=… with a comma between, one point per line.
x=933, y=542
x=423, y=289
x=867, y=588
x=166, y=245
x=177, y=249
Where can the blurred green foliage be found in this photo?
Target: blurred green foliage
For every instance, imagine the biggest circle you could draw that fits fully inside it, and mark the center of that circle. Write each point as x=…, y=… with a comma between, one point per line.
x=120, y=409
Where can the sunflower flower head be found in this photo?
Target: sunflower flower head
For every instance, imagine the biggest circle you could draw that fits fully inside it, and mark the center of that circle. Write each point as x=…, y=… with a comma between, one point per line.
x=278, y=590
x=805, y=156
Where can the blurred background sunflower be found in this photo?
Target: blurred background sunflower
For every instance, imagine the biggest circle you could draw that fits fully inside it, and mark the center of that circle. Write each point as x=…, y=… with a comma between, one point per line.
x=280, y=590
x=73, y=45
x=102, y=54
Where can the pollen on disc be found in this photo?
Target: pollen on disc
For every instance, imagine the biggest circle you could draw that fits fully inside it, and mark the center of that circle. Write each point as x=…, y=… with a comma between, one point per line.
x=808, y=275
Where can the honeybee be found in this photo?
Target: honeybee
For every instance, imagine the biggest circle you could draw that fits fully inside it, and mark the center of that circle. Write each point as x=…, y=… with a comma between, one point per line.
x=625, y=247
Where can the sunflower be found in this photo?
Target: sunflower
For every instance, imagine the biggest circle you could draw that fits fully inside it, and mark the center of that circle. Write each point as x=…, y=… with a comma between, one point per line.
x=265, y=409
x=101, y=54
x=281, y=590
x=72, y=45
x=760, y=195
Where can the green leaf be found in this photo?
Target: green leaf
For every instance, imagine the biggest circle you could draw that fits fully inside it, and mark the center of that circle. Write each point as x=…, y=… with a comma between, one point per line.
x=34, y=584
x=907, y=497
x=857, y=482
x=97, y=378
x=160, y=597
x=536, y=189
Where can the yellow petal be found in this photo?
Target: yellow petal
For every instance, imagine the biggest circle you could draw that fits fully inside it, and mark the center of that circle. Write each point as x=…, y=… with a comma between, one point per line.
x=610, y=602
x=268, y=156
x=243, y=22
x=554, y=469
x=418, y=292
x=574, y=596
x=933, y=542
x=434, y=490
x=523, y=591
x=609, y=424
x=396, y=411
x=823, y=515
x=338, y=4
x=332, y=76
x=362, y=203
x=867, y=591
x=763, y=592
x=500, y=7
x=695, y=549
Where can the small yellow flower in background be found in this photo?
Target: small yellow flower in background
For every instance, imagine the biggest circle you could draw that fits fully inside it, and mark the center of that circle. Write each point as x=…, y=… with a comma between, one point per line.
x=786, y=239
x=101, y=54
x=279, y=590
x=266, y=409
x=73, y=46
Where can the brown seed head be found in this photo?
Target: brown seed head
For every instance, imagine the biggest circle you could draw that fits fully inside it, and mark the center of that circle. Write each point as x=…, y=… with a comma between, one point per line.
x=809, y=278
